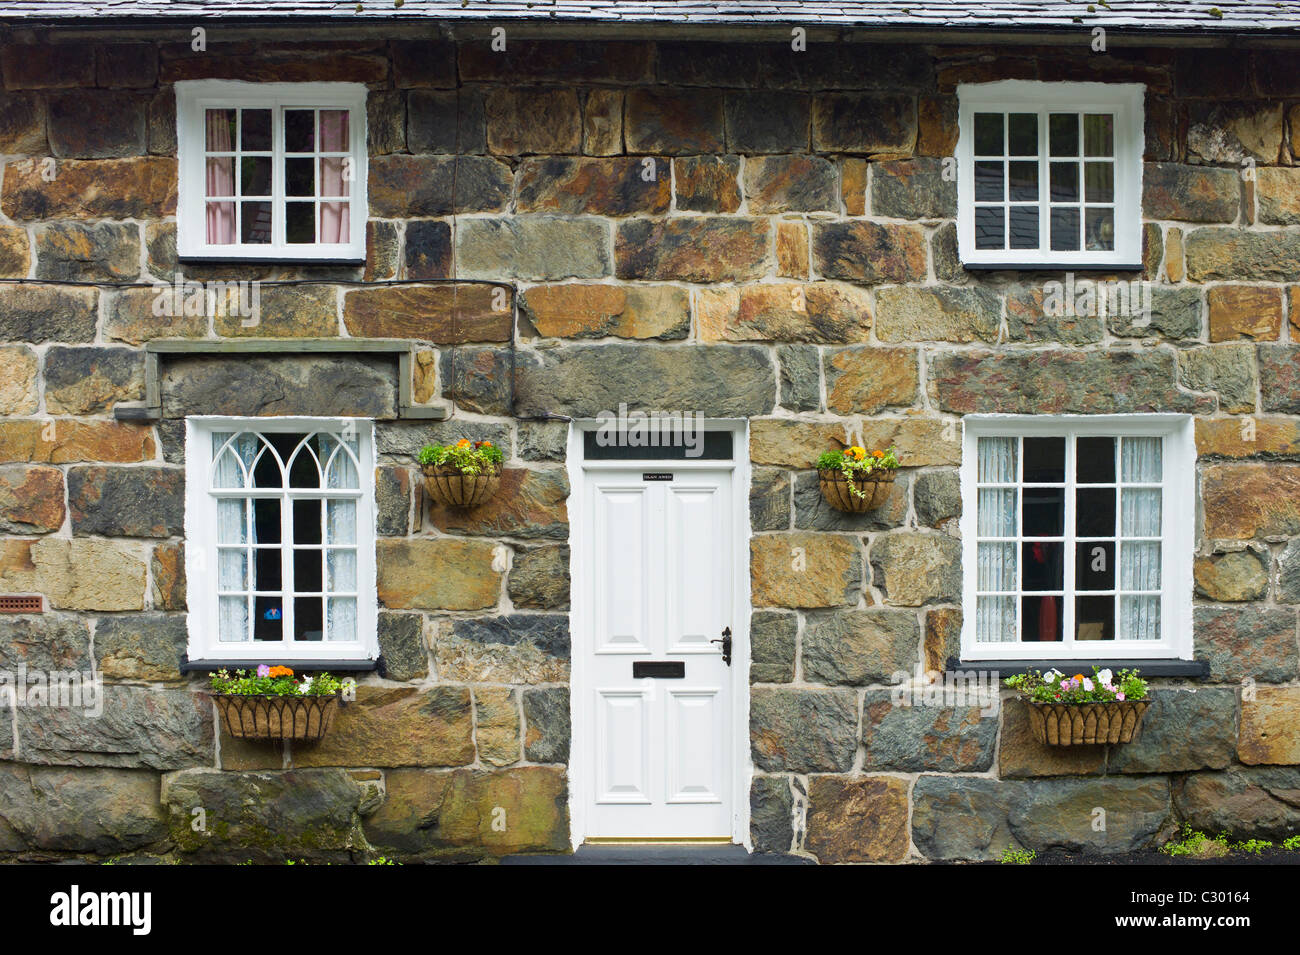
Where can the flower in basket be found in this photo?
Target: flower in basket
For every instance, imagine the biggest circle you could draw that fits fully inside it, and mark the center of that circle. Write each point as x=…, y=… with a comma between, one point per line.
x=467, y=457
x=1055, y=687
x=856, y=463
x=273, y=681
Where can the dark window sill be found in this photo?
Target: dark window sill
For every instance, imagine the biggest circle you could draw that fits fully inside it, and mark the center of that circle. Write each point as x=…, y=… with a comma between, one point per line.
x=305, y=666
x=262, y=260
x=1047, y=267
x=1193, y=669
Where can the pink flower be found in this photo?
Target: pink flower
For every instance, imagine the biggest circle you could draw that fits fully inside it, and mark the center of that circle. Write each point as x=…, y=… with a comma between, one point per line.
x=263, y=670
x=1119, y=696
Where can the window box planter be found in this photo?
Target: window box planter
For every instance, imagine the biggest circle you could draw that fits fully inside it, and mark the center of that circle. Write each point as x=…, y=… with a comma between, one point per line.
x=1086, y=724
x=452, y=487
x=872, y=490
x=303, y=719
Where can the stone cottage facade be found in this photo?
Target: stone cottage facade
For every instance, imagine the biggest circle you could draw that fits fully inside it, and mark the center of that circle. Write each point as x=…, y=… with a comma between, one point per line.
x=567, y=217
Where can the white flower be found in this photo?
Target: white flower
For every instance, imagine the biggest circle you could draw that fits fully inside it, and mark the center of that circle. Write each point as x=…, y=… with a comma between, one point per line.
x=305, y=686
x=1105, y=676
x=1050, y=676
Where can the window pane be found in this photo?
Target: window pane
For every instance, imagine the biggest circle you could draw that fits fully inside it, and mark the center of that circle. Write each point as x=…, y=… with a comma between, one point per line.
x=988, y=182
x=266, y=520
x=232, y=613
x=333, y=130
x=268, y=618
x=1065, y=230
x=1024, y=227
x=1100, y=228
x=342, y=522
x=333, y=181
x=1094, y=512
x=300, y=177
x=1094, y=565
x=995, y=619
x=255, y=176
x=1095, y=461
x=1139, y=618
x=1041, y=565
x=1023, y=181
x=220, y=180
x=308, y=565
x=232, y=521
x=219, y=131
x=299, y=130
x=997, y=512
x=1044, y=512
x=990, y=227
x=335, y=220
x=1099, y=134
x=1099, y=181
x=307, y=522
x=1140, y=460
x=342, y=566
x=997, y=460
x=309, y=618
x=1139, y=565
x=343, y=618
x=997, y=567
x=232, y=569
x=255, y=222
x=1040, y=618
x=1063, y=134
x=1065, y=182
x=300, y=222
x=256, y=130
x=1140, y=512
x=220, y=225
x=988, y=134
x=1044, y=460
x=1022, y=134
x=1094, y=618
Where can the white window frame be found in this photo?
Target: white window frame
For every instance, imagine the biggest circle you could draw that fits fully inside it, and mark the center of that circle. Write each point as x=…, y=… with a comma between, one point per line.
x=201, y=545
x=1178, y=519
x=194, y=97
x=1124, y=100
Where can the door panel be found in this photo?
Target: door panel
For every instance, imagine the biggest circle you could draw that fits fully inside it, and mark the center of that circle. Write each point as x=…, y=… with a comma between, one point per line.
x=659, y=558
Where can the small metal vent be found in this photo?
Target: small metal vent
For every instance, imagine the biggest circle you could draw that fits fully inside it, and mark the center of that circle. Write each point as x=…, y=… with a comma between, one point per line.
x=32, y=604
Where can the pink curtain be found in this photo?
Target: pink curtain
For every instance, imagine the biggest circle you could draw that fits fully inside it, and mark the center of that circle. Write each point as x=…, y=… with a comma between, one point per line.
x=220, y=179
x=335, y=218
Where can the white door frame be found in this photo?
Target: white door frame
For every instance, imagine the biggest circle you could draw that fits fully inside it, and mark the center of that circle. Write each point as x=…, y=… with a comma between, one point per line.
x=581, y=753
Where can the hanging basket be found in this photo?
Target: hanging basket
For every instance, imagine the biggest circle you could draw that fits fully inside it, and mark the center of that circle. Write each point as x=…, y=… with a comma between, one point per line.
x=453, y=488
x=873, y=487
x=302, y=719
x=1084, y=724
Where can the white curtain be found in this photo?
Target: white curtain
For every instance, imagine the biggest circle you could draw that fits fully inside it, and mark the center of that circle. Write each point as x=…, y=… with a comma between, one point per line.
x=1140, y=517
x=231, y=470
x=995, y=617
x=341, y=527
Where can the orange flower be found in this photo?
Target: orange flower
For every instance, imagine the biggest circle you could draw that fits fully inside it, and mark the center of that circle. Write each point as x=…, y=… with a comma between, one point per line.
x=280, y=671
x=856, y=453
x=463, y=443
x=877, y=454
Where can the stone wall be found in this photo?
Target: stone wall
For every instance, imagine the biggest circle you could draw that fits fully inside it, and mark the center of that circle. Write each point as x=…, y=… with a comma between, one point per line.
x=775, y=178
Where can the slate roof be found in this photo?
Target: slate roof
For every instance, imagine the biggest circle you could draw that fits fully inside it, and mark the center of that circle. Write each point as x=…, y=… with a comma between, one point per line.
x=1230, y=16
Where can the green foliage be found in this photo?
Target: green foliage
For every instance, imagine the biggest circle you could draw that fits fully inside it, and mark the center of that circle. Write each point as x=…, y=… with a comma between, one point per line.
x=856, y=462
x=1013, y=856
x=1292, y=843
x=1197, y=845
x=1253, y=846
x=463, y=456
x=273, y=681
x=382, y=860
x=1055, y=687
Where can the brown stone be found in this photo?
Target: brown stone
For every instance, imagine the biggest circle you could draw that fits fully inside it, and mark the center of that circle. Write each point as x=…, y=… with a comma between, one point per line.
x=912, y=569
x=167, y=576
x=136, y=315
x=91, y=380
x=22, y=125
x=942, y=641
x=937, y=314
x=437, y=574
x=1021, y=756
x=496, y=727
x=277, y=67
x=1270, y=727
x=819, y=312
x=15, y=252
x=1231, y=577
x=1190, y=193
x=602, y=123
x=1227, y=133
x=853, y=186
x=921, y=442
x=1256, y=436
x=79, y=574
x=64, y=441
x=792, y=249
x=1231, y=255
x=1245, y=501
x=282, y=311
x=18, y=372
x=878, y=125
x=397, y=726
x=791, y=184
x=868, y=379
x=707, y=183
x=597, y=311
x=804, y=570
x=869, y=253
x=857, y=819
x=673, y=122
x=443, y=314
x=692, y=249
x=424, y=374
x=1278, y=188
x=936, y=126
x=405, y=186
x=31, y=500
x=530, y=503
x=137, y=188
x=1175, y=267
x=1245, y=311
x=522, y=121
x=620, y=186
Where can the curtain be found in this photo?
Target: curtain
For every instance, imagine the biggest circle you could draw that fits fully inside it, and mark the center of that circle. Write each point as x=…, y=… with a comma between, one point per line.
x=334, y=216
x=232, y=469
x=339, y=452
x=220, y=177
x=995, y=617
x=1140, y=517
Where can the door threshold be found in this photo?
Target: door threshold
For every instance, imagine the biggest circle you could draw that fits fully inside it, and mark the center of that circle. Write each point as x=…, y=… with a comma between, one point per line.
x=659, y=841
x=660, y=852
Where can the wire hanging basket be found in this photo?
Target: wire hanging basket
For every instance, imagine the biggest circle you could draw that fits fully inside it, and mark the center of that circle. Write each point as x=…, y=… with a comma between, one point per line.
x=452, y=487
x=303, y=719
x=872, y=490
x=1084, y=724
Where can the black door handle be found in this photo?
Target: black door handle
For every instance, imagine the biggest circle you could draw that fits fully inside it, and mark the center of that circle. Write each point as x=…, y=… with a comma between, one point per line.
x=726, y=645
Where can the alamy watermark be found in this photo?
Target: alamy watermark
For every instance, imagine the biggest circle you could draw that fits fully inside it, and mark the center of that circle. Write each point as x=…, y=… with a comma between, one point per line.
x=951, y=688
x=63, y=689
x=210, y=299
x=651, y=429
x=1089, y=298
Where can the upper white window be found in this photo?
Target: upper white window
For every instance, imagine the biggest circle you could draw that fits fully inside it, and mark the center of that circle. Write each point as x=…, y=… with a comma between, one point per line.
x=271, y=170
x=1050, y=174
x=280, y=539
x=1077, y=537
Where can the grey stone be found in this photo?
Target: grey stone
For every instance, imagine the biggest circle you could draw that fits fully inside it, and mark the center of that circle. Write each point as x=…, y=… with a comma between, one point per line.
x=278, y=385
x=943, y=253
x=914, y=739
x=139, y=727
x=913, y=569
x=77, y=252
x=103, y=811
x=767, y=122
x=549, y=632
x=1060, y=813
x=937, y=496
x=404, y=439
x=1243, y=642
x=44, y=642
x=546, y=725
x=306, y=814
x=92, y=380
x=451, y=122
x=126, y=501
x=534, y=248
x=583, y=380
x=1245, y=803
x=1228, y=370
x=811, y=512
x=858, y=647
x=477, y=378
x=771, y=814
x=1175, y=314
x=97, y=124
x=141, y=646
x=393, y=501
x=912, y=189
x=1181, y=731
x=539, y=578
x=769, y=499
x=1279, y=377
x=772, y=640
x=428, y=249
x=386, y=122
x=803, y=731
x=1289, y=573
x=402, y=647
x=800, y=377
x=171, y=439
x=959, y=818
x=543, y=440
x=47, y=313
x=406, y=186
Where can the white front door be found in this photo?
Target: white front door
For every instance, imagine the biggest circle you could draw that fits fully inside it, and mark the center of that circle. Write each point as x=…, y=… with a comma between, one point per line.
x=660, y=575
